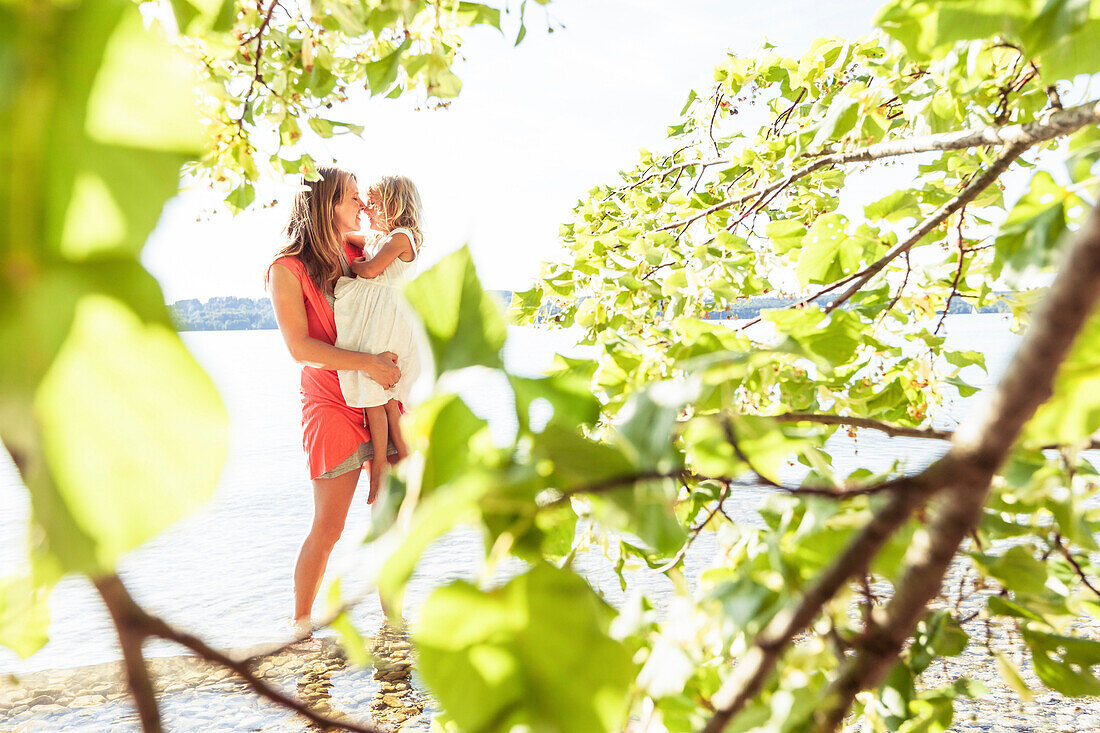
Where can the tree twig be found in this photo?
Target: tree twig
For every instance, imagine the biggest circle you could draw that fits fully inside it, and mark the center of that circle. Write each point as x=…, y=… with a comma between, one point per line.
x=697, y=529
x=968, y=194
x=1076, y=565
x=134, y=625
x=1055, y=124
x=894, y=431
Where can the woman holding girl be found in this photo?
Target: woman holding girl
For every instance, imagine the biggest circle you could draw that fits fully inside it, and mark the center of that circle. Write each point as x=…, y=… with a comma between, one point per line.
x=336, y=436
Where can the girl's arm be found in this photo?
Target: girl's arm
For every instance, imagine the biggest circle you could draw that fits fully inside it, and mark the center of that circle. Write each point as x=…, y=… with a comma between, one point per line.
x=290, y=313
x=398, y=245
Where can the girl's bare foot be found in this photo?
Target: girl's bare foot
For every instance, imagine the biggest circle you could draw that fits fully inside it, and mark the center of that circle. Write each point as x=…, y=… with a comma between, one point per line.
x=377, y=477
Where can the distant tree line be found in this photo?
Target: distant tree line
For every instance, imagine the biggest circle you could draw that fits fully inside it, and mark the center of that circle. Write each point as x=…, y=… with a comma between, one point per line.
x=751, y=307
x=224, y=313
x=229, y=313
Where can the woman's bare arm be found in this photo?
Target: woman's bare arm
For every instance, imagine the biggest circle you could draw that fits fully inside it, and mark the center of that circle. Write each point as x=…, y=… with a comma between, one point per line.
x=290, y=313
x=398, y=245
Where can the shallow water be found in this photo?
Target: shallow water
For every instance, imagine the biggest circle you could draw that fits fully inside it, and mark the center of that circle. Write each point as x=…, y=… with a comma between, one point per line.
x=224, y=572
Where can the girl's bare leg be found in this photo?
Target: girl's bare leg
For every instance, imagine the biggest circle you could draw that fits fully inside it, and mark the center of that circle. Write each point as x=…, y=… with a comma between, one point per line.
x=331, y=499
x=379, y=438
x=393, y=415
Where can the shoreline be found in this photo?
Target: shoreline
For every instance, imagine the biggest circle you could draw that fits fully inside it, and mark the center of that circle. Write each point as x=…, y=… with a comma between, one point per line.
x=194, y=694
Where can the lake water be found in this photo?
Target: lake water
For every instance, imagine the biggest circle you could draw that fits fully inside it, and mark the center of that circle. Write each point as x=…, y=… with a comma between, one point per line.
x=224, y=572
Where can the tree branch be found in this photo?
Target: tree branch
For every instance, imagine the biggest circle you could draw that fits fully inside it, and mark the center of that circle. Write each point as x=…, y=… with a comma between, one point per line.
x=894, y=431
x=159, y=628
x=134, y=625
x=1076, y=565
x=958, y=274
x=968, y=194
x=131, y=637
x=1057, y=123
x=978, y=450
x=756, y=665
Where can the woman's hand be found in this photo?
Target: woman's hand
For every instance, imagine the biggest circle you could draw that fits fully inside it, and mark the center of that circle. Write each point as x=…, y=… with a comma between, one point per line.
x=382, y=368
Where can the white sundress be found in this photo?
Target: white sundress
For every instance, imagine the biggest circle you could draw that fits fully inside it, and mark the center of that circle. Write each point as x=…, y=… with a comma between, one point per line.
x=373, y=316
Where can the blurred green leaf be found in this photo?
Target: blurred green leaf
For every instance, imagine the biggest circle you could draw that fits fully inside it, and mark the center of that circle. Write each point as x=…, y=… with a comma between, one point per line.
x=1073, y=411
x=464, y=324
x=494, y=659
x=24, y=614
x=1064, y=663
x=136, y=434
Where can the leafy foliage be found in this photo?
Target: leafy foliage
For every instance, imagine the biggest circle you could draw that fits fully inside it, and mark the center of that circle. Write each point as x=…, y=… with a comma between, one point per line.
x=274, y=70
x=633, y=451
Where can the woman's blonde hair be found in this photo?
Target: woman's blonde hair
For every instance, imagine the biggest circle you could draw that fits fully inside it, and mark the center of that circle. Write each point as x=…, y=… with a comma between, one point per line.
x=399, y=205
x=310, y=233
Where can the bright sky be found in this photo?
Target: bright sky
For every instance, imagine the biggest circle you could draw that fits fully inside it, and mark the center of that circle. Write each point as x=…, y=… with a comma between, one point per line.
x=534, y=128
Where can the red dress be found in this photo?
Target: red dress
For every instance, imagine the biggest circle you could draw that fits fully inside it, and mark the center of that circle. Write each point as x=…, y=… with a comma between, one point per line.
x=331, y=431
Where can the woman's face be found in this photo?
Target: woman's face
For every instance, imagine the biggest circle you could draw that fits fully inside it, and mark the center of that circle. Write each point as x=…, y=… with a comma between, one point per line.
x=347, y=210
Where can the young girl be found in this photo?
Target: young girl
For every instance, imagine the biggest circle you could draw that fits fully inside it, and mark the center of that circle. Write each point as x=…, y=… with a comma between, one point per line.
x=372, y=315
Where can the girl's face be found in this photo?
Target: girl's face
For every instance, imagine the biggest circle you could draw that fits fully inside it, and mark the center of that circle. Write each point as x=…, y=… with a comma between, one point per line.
x=347, y=210
x=374, y=211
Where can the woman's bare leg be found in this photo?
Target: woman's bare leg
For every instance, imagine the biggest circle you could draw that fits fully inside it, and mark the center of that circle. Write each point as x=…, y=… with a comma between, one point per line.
x=393, y=415
x=379, y=438
x=331, y=499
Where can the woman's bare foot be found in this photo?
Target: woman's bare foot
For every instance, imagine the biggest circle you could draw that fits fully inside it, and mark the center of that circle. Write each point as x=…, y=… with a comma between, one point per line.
x=302, y=627
x=302, y=630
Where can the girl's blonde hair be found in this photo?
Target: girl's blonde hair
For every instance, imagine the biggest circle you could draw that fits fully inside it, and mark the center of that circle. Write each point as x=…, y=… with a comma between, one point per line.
x=310, y=233
x=399, y=205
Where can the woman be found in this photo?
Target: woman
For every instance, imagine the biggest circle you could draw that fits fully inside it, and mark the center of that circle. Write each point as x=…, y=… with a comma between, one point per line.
x=335, y=436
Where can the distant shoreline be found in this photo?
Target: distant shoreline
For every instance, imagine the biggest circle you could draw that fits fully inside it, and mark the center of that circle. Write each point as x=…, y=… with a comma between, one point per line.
x=229, y=313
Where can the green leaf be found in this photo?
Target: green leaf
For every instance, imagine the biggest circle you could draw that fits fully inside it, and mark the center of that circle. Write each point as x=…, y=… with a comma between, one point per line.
x=448, y=428
x=1017, y=569
x=644, y=509
x=1073, y=411
x=435, y=516
x=568, y=396
x=24, y=614
x=143, y=96
x=645, y=423
x=1028, y=238
x=786, y=234
x=841, y=117
x=1064, y=663
x=894, y=207
x=495, y=659
x=227, y=14
x=577, y=462
x=938, y=635
x=826, y=252
x=464, y=324
x=384, y=510
x=381, y=74
x=1011, y=675
x=184, y=12
x=350, y=639
x=478, y=14
x=241, y=197
x=135, y=434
